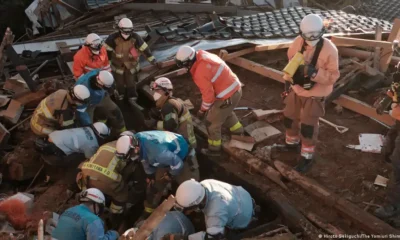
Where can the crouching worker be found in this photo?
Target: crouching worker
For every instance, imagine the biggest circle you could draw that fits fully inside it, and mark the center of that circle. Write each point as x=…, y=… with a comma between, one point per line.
x=165, y=157
x=83, y=222
x=174, y=223
x=175, y=117
x=75, y=144
x=57, y=111
x=122, y=181
x=227, y=208
x=99, y=83
x=306, y=90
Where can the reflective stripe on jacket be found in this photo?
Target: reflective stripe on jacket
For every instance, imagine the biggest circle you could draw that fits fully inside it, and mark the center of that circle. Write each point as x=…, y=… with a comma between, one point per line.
x=52, y=113
x=161, y=149
x=104, y=166
x=85, y=61
x=227, y=206
x=96, y=96
x=79, y=223
x=214, y=78
x=76, y=140
x=174, y=222
x=327, y=65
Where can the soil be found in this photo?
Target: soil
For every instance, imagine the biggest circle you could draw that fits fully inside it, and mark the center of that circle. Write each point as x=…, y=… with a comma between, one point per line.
x=346, y=172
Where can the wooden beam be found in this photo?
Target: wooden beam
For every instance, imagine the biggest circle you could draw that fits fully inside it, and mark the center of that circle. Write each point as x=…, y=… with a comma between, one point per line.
x=345, y=101
x=378, y=37
x=346, y=42
x=268, y=47
x=224, y=55
x=365, y=221
x=258, y=68
x=363, y=109
x=360, y=54
x=387, y=53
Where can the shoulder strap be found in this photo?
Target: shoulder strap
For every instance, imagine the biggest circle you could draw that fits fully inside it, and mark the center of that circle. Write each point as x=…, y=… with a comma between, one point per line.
x=317, y=52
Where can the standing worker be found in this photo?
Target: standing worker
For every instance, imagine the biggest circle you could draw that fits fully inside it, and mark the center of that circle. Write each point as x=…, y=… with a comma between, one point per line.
x=82, y=222
x=99, y=82
x=124, y=48
x=164, y=155
x=91, y=56
x=175, y=117
x=225, y=207
x=309, y=86
x=391, y=151
x=57, y=111
x=221, y=92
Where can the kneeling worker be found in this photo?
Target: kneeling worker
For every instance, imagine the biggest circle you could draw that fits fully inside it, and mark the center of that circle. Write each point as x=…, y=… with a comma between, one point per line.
x=225, y=207
x=57, y=111
x=159, y=150
x=71, y=144
x=83, y=222
x=175, y=116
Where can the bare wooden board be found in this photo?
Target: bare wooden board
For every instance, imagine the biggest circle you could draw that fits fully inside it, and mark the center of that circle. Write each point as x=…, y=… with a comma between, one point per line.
x=13, y=111
x=241, y=145
x=261, y=130
x=264, y=114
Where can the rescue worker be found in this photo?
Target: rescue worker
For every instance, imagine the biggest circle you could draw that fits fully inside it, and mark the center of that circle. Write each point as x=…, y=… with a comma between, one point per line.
x=391, y=152
x=165, y=157
x=68, y=145
x=83, y=222
x=58, y=110
x=120, y=180
x=175, y=117
x=221, y=92
x=99, y=82
x=93, y=55
x=305, y=92
x=174, y=222
x=124, y=48
x=226, y=207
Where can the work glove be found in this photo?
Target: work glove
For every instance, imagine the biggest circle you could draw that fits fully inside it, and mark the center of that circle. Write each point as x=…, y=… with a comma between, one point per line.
x=201, y=114
x=383, y=104
x=176, y=236
x=150, y=179
x=167, y=176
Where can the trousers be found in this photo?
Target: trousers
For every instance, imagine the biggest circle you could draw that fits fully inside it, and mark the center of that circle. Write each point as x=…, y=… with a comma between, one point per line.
x=221, y=115
x=302, y=121
x=126, y=84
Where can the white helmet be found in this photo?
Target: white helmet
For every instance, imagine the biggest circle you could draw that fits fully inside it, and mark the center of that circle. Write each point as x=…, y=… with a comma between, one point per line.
x=105, y=79
x=94, y=42
x=162, y=83
x=312, y=28
x=125, y=27
x=80, y=94
x=125, y=147
x=92, y=194
x=189, y=194
x=127, y=133
x=185, y=56
x=101, y=129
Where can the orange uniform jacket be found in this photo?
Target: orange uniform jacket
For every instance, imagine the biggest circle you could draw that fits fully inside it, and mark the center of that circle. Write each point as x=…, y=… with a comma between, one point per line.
x=85, y=61
x=214, y=78
x=327, y=65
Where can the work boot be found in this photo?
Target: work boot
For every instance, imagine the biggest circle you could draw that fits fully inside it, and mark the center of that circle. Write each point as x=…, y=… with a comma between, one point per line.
x=304, y=165
x=387, y=211
x=210, y=153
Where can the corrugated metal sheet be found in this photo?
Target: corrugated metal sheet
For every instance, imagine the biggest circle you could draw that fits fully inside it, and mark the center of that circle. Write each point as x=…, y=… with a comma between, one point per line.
x=93, y=4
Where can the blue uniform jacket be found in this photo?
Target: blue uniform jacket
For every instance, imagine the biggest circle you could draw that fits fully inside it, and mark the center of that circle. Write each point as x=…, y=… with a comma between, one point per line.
x=96, y=95
x=161, y=149
x=174, y=222
x=79, y=223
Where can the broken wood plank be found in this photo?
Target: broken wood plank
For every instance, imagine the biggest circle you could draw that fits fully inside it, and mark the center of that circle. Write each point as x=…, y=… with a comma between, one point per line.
x=241, y=145
x=360, y=54
x=155, y=218
x=387, y=52
x=359, y=42
x=363, y=109
x=13, y=111
x=16, y=85
x=377, y=54
x=276, y=46
x=362, y=219
x=4, y=135
x=264, y=114
x=21, y=67
x=258, y=68
x=246, y=139
x=7, y=41
x=329, y=228
x=172, y=74
x=224, y=55
x=261, y=131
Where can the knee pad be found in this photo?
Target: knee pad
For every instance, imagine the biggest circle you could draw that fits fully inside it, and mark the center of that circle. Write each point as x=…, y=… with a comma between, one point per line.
x=307, y=131
x=287, y=122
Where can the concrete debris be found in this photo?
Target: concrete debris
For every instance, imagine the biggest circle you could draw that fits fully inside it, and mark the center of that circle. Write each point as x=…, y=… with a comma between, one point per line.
x=261, y=131
x=13, y=111
x=241, y=145
x=371, y=143
x=381, y=181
